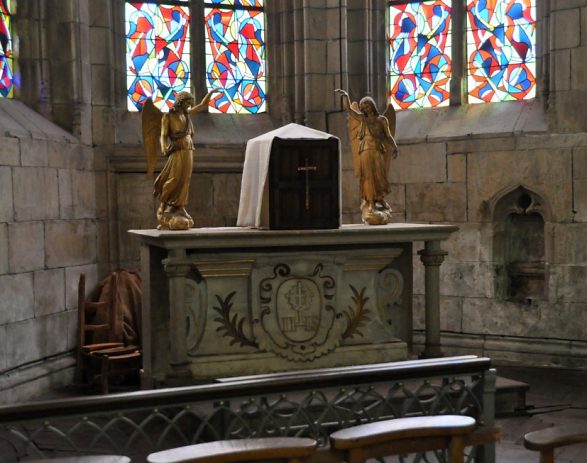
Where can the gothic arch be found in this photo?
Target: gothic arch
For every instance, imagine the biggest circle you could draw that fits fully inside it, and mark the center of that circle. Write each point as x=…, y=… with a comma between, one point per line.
x=506, y=201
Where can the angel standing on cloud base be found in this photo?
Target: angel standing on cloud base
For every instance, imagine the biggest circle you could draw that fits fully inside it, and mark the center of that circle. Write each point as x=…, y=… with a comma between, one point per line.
x=173, y=133
x=372, y=147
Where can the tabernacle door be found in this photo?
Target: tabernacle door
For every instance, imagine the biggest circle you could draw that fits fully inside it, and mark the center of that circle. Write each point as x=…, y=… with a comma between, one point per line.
x=304, y=184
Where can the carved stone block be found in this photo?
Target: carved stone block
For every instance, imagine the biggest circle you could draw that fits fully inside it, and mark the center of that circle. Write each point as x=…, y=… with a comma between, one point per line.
x=234, y=301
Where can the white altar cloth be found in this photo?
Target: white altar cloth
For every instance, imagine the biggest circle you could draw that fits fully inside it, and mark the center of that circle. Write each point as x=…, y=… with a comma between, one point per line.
x=253, y=209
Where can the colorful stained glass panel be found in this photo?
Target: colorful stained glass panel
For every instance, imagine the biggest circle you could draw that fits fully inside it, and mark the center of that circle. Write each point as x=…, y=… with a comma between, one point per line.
x=501, y=50
x=419, y=67
x=240, y=3
x=157, y=53
x=235, y=59
x=6, y=51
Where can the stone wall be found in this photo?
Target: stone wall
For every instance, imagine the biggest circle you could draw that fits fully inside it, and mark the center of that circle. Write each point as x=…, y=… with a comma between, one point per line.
x=48, y=235
x=477, y=316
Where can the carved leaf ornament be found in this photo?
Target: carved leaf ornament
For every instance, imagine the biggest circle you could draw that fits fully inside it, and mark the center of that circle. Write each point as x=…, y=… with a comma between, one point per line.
x=358, y=317
x=231, y=326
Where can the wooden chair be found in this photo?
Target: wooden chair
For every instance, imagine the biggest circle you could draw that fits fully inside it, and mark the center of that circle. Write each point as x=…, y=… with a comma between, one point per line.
x=100, y=360
x=289, y=449
x=546, y=440
x=402, y=436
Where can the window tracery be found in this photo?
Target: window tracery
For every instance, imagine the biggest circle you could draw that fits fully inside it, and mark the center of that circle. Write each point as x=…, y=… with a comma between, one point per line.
x=235, y=55
x=425, y=38
x=159, y=52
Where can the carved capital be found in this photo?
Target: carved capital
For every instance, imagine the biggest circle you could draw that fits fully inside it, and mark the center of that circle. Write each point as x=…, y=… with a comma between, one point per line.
x=176, y=269
x=432, y=257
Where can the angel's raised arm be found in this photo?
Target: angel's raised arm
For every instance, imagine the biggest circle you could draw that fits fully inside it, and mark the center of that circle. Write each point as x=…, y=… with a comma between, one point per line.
x=203, y=105
x=348, y=107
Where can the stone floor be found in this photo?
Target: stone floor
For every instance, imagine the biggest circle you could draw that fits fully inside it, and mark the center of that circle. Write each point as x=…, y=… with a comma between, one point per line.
x=556, y=397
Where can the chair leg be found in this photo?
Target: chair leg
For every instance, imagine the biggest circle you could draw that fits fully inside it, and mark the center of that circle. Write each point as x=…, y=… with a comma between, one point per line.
x=456, y=449
x=547, y=455
x=78, y=376
x=105, y=368
x=356, y=456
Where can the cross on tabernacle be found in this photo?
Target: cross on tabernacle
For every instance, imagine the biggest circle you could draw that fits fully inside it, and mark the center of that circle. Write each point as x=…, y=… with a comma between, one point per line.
x=307, y=170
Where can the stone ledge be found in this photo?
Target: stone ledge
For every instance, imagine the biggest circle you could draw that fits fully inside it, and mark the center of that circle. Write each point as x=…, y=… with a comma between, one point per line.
x=507, y=350
x=18, y=120
x=237, y=365
x=486, y=120
x=217, y=158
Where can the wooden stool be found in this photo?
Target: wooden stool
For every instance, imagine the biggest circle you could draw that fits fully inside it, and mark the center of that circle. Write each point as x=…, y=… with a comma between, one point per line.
x=546, y=440
x=291, y=449
x=88, y=459
x=403, y=435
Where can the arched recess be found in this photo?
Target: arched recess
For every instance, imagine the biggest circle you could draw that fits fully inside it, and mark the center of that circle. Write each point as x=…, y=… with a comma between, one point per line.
x=519, y=218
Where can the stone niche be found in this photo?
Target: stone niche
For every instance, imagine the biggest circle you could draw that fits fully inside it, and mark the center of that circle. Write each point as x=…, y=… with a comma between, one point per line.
x=519, y=217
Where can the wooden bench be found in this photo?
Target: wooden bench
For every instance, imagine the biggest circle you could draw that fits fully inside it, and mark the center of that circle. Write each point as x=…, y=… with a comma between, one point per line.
x=88, y=459
x=406, y=435
x=546, y=440
x=290, y=449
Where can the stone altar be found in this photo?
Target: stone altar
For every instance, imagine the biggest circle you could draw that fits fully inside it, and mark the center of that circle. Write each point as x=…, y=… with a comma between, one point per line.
x=232, y=301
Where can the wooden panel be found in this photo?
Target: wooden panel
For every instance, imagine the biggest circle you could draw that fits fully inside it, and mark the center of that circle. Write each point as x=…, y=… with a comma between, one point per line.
x=304, y=184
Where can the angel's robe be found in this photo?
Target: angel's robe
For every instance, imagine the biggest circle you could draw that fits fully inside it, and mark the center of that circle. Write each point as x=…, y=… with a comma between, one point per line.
x=373, y=159
x=172, y=185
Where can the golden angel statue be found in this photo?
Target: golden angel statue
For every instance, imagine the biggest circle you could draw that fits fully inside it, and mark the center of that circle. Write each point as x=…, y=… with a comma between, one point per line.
x=372, y=146
x=172, y=133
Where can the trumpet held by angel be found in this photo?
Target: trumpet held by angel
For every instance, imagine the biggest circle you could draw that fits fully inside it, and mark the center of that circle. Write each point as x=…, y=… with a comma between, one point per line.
x=371, y=136
x=172, y=135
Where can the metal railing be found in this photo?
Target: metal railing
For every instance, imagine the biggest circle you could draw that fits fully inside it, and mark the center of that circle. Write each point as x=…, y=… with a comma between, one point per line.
x=311, y=404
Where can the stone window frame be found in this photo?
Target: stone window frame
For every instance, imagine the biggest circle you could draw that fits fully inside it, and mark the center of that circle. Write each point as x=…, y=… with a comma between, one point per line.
x=457, y=89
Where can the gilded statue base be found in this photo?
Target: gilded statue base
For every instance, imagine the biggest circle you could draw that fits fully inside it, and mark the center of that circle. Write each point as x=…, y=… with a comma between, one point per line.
x=377, y=214
x=173, y=218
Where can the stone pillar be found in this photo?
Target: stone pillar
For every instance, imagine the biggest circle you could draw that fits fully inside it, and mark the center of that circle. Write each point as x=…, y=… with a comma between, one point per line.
x=432, y=256
x=176, y=267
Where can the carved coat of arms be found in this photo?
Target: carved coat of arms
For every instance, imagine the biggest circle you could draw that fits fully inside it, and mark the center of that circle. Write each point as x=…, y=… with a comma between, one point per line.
x=295, y=311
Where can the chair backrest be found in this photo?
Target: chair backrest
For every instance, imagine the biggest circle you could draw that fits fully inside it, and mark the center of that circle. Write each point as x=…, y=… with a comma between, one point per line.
x=289, y=449
x=403, y=435
x=101, y=311
x=546, y=440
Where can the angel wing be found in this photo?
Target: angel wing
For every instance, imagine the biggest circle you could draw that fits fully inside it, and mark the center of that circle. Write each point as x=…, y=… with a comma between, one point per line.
x=151, y=118
x=389, y=114
x=354, y=127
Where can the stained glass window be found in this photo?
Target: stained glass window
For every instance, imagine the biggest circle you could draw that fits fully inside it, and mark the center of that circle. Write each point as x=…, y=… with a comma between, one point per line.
x=501, y=50
x=419, y=50
x=499, y=61
x=235, y=55
x=6, y=51
x=157, y=51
